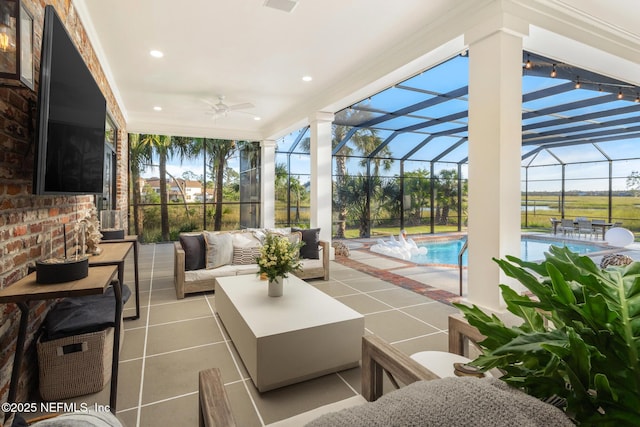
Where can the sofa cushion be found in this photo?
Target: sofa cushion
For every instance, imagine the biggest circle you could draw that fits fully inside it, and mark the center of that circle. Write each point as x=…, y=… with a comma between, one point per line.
x=246, y=269
x=195, y=251
x=309, y=264
x=209, y=275
x=219, y=249
x=259, y=233
x=243, y=256
x=281, y=230
x=245, y=240
x=311, y=239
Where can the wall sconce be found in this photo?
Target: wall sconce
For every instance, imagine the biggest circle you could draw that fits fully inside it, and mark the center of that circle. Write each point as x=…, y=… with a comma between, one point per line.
x=16, y=43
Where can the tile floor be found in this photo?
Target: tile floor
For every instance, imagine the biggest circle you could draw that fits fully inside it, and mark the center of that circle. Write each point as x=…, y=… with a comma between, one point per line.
x=174, y=339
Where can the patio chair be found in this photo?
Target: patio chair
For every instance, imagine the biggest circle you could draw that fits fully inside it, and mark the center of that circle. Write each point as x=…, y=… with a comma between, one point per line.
x=597, y=230
x=585, y=227
x=567, y=226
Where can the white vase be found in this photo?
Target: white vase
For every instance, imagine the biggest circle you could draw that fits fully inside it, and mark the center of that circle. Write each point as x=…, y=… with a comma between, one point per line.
x=275, y=287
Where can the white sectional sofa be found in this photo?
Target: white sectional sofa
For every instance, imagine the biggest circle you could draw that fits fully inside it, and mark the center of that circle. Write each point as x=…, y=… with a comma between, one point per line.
x=202, y=256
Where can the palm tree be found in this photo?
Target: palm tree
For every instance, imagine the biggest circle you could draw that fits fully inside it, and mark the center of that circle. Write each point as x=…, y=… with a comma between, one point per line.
x=418, y=187
x=447, y=194
x=140, y=156
x=353, y=194
x=221, y=150
x=161, y=145
x=296, y=187
x=391, y=196
x=362, y=139
x=281, y=182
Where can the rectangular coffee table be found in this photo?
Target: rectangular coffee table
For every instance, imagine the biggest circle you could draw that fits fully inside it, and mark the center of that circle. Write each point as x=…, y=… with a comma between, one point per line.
x=283, y=340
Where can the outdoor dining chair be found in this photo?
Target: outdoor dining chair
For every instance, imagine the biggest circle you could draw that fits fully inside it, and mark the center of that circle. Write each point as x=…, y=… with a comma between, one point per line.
x=585, y=227
x=566, y=226
x=597, y=230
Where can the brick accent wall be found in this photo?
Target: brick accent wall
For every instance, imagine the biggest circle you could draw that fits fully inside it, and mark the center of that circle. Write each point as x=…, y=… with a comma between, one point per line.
x=23, y=216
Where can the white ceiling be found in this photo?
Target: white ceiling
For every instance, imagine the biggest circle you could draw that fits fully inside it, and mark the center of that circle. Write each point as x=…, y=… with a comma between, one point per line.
x=251, y=53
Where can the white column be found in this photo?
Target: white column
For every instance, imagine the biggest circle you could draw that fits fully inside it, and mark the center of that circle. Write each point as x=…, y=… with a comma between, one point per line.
x=321, y=202
x=267, y=184
x=495, y=139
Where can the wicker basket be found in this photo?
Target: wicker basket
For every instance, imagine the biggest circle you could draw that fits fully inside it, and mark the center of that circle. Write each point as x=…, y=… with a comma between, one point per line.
x=75, y=365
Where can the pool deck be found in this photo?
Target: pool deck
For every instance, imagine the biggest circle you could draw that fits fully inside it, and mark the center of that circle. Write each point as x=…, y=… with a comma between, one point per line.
x=436, y=281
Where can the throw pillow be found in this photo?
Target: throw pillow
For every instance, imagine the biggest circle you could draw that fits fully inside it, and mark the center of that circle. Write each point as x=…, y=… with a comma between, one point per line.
x=195, y=251
x=245, y=240
x=311, y=239
x=258, y=233
x=219, y=249
x=243, y=256
x=295, y=237
x=283, y=230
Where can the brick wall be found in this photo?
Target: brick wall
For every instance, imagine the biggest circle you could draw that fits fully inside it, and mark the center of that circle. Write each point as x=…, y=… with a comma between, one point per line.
x=23, y=216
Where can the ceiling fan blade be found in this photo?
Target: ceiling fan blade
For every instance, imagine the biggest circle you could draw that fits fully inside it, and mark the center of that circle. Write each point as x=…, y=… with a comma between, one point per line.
x=243, y=106
x=244, y=112
x=206, y=101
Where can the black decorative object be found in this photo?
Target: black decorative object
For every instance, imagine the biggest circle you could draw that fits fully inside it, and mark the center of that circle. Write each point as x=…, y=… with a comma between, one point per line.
x=111, y=225
x=112, y=234
x=49, y=272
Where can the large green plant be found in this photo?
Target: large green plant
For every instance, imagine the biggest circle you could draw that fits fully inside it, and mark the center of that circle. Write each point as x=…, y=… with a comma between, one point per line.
x=579, y=339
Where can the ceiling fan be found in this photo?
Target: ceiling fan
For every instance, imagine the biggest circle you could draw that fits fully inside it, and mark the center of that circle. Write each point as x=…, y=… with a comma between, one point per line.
x=220, y=109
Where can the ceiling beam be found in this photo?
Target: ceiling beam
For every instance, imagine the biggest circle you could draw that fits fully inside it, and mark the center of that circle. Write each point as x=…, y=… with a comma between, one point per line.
x=583, y=117
x=570, y=106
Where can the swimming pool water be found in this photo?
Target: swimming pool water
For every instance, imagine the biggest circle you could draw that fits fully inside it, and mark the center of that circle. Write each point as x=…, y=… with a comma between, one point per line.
x=530, y=250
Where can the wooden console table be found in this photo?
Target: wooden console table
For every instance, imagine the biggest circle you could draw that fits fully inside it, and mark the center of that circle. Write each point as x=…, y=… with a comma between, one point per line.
x=115, y=255
x=26, y=289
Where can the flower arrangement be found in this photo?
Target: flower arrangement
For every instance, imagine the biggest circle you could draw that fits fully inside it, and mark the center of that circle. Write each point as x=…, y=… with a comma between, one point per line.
x=278, y=257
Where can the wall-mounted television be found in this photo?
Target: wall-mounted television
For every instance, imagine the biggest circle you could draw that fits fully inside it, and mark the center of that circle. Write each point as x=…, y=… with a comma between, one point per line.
x=70, y=134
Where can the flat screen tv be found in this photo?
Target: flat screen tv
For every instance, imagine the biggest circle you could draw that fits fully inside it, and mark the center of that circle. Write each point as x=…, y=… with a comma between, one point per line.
x=72, y=111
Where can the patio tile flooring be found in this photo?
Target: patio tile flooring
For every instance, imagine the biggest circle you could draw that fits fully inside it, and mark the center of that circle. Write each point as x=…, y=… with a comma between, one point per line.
x=174, y=339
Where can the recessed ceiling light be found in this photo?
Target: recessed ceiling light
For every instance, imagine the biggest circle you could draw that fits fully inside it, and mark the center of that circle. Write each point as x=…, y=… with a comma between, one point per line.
x=307, y=78
x=156, y=54
x=157, y=108
x=257, y=118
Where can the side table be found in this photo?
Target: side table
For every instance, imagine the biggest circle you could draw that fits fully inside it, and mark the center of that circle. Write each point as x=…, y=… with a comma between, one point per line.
x=116, y=257
x=27, y=289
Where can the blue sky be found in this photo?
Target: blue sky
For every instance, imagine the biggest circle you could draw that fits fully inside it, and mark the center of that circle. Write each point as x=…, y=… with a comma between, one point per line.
x=583, y=172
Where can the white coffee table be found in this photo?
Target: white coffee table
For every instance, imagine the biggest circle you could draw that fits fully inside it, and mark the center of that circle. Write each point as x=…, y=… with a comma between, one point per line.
x=283, y=340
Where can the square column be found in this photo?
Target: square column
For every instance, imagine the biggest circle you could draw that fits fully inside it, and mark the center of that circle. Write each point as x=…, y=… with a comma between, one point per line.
x=267, y=184
x=321, y=183
x=495, y=140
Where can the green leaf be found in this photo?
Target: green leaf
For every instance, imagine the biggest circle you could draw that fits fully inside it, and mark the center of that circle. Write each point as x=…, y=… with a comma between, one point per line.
x=523, y=307
x=589, y=352
x=563, y=292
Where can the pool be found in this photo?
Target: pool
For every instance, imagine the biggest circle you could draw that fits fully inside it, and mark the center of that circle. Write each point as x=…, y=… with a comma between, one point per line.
x=530, y=250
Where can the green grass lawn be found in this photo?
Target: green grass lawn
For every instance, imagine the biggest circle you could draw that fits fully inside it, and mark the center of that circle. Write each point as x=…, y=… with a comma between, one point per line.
x=624, y=209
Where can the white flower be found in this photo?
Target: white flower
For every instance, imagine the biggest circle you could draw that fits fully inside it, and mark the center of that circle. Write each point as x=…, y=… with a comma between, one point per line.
x=278, y=257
